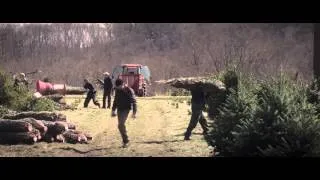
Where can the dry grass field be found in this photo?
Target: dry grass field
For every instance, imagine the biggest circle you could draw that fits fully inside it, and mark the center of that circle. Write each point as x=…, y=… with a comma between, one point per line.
x=156, y=132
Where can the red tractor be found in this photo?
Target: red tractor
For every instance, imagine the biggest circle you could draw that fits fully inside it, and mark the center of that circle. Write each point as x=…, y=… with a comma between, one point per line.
x=136, y=76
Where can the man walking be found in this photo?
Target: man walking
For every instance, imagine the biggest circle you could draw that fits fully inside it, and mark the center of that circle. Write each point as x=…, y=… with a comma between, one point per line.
x=197, y=106
x=123, y=102
x=90, y=95
x=107, y=89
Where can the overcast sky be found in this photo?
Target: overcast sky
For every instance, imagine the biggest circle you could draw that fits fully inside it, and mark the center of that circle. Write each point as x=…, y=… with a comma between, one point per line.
x=21, y=24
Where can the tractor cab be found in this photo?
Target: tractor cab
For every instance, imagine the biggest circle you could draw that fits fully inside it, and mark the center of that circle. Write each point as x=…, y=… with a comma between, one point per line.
x=135, y=76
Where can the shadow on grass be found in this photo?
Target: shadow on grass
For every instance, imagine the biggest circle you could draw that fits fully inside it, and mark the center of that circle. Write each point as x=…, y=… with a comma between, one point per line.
x=83, y=152
x=182, y=134
x=159, y=142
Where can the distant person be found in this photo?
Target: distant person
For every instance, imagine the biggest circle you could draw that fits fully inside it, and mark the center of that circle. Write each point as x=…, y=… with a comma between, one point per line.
x=197, y=107
x=123, y=102
x=107, y=90
x=21, y=79
x=46, y=79
x=90, y=95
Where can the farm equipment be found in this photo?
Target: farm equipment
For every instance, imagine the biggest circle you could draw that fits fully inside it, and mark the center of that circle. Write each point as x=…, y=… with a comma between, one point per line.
x=136, y=76
x=46, y=88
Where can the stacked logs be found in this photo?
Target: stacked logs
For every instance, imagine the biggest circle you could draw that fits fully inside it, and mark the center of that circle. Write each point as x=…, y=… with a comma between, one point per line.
x=32, y=127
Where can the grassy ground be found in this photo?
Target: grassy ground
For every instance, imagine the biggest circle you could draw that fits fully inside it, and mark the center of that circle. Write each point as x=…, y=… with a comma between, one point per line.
x=157, y=131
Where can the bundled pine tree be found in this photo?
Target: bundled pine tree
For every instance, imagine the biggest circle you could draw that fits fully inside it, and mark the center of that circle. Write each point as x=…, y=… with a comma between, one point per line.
x=13, y=97
x=214, y=101
x=19, y=98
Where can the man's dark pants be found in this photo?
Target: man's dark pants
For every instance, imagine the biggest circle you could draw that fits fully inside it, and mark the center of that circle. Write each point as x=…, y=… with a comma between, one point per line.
x=106, y=94
x=91, y=95
x=197, y=116
x=122, y=118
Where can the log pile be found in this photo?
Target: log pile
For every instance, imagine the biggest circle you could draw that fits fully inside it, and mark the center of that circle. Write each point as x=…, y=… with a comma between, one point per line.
x=42, y=115
x=32, y=127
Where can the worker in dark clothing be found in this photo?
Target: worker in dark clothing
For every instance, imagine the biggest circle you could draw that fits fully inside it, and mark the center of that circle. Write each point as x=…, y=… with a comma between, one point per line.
x=123, y=102
x=90, y=95
x=20, y=79
x=197, y=106
x=107, y=89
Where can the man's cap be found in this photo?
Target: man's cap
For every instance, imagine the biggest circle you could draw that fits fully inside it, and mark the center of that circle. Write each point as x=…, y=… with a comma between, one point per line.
x=22, y=74
x=106, y=73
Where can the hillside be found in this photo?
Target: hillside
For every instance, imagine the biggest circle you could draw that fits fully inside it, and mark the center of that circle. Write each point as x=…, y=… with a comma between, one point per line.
x=70, y=52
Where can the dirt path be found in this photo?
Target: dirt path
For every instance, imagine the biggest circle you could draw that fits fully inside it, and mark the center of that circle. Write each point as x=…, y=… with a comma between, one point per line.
x=157, y=131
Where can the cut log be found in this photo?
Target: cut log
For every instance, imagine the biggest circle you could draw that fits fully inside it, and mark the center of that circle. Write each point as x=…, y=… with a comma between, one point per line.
x=37, y=133
x=37, y=95
x=83, y=138
x=72, y=131
x=57, y=128
x=42, y=115
x=61, y=127
x=88, y=136
x=75, y=90
x=50, y=129
x=189, y=83
x=41, y=127
x=48, y=138
x=14, y=126
x=59, y=138
x=71, y=137
x=48, y=124
x=71, y=126
x=68, y=125
x=62, y=102
x=17, y=138
x=36, y=124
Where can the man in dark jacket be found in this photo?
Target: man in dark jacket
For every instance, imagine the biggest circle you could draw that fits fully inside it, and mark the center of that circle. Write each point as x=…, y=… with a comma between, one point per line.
x=197, y=106
x=90, y=95
x=107, y=89
x=123, y=102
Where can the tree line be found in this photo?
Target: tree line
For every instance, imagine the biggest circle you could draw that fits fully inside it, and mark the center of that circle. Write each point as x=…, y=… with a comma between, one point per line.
x=69, y=52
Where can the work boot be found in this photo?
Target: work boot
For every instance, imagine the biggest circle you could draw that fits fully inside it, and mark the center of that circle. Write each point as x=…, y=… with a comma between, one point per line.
x=125, y=144
x=187, y=136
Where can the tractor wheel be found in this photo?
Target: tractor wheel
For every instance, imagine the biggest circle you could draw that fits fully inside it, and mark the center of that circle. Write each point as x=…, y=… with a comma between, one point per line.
x=144, y=91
